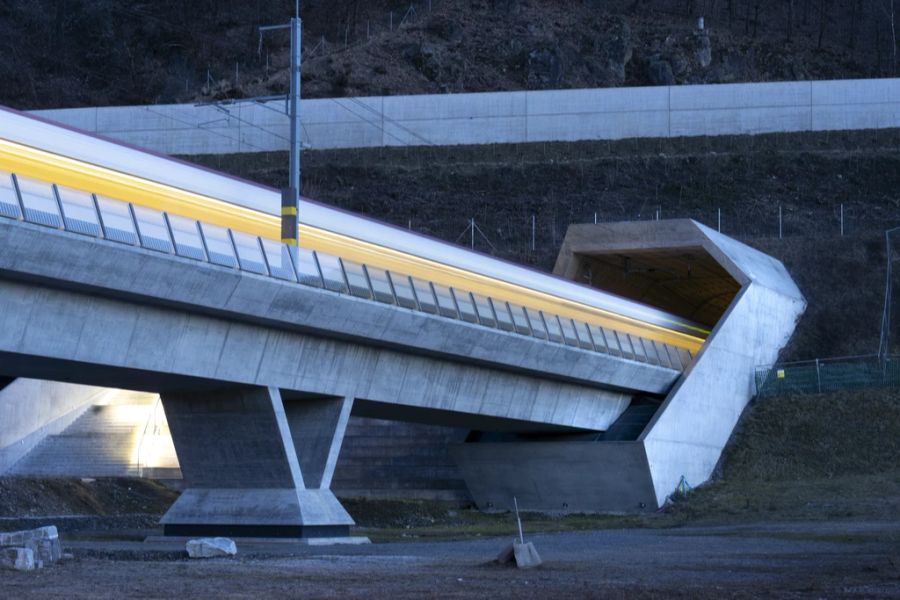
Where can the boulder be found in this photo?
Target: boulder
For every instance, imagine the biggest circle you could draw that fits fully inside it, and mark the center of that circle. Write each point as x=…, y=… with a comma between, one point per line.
x=18, y=559
x=660, y=73
x=704, y=49
x=211, y=547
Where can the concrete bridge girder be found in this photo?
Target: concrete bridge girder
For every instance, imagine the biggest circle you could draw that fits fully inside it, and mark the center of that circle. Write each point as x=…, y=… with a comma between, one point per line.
x=223, y=347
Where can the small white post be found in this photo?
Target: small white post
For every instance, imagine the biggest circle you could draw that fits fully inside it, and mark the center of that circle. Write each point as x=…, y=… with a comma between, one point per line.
x=472, y=227
x=595, y=217
x=392, y=20
x=842, y=219
x=719, y=211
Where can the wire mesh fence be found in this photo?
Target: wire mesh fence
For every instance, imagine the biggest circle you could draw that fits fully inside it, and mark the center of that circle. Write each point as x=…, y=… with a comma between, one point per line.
x=828, y=375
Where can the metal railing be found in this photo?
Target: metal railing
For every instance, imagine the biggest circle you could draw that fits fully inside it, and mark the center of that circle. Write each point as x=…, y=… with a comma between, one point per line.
x=84, y=213
x=828, y=375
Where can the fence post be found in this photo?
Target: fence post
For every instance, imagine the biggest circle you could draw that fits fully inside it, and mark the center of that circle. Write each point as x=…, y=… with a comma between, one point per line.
x=818, y=377
x=532, y=231
x=780, y=227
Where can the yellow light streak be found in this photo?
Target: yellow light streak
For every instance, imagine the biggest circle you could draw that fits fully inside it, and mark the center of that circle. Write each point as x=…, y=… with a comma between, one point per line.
x=40, y=164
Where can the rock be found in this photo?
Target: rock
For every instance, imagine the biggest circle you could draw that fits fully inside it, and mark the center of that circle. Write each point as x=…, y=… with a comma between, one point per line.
x=18, y=559
x=545, y=68
x=211, y=547
x=426, y=58
x=444, y=28
x=704, y=49
x=618, y=49
x=43, y=542
x=660, y=73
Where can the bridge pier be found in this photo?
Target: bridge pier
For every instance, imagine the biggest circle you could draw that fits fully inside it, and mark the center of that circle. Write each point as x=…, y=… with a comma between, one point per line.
x=255, y=465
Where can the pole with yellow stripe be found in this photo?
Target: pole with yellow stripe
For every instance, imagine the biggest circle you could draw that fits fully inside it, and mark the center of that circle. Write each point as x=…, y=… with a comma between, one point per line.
x=289, y=216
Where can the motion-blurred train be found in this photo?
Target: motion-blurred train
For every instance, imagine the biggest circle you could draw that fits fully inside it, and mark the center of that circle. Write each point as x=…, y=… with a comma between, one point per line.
x=36, y=149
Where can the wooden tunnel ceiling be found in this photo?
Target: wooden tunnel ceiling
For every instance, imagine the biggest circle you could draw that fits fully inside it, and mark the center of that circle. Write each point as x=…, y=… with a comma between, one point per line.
x=684, y=281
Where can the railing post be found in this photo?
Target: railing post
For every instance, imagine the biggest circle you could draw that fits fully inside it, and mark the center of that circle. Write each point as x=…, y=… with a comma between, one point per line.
x=412, y=286
x=390, y=281
x=365, y=271
x=456, y=304
x=100, y=216
x=59, y=206
x=344, y=274
x=171, y=232
x=137, y=228
x=15, y=181
x=202, y=240
x=262, y=250
x=237, y=257
x=318, y=266
x=290, y=252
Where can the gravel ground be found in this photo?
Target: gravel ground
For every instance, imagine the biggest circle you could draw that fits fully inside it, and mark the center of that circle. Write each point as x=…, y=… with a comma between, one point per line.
x=805, y=560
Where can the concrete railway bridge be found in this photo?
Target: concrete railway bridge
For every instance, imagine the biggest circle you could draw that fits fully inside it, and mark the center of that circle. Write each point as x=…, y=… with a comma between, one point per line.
x=596, y=389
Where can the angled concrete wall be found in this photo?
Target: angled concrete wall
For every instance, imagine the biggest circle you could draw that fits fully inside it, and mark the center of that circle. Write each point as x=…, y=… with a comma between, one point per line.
x=502, y=117
x=686, y=436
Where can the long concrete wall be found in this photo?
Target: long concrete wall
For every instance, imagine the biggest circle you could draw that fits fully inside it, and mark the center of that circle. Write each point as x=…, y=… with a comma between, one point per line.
x=503, y=117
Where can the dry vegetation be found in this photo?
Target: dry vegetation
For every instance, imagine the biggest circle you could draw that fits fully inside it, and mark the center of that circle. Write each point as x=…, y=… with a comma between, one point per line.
x=102, y=52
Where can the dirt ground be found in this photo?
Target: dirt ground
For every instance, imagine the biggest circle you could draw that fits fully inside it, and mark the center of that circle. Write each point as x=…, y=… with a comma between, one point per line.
x=811, y=560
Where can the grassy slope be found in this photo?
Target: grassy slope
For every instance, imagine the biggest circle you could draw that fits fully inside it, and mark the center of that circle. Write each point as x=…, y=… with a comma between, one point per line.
x=807, y=457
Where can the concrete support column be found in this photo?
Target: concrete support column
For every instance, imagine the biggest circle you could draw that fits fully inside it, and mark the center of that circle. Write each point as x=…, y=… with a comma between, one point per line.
x=317, y=428
x=241, y=470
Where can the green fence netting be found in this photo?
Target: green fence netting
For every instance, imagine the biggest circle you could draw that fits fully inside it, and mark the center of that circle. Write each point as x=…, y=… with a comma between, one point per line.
x=828, y=375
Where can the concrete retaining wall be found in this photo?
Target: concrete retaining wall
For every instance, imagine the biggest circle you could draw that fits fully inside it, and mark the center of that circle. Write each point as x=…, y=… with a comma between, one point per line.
x=503, y=117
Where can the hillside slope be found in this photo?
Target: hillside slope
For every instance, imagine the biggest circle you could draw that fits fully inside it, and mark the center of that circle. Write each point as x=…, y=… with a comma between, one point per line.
x=103, y=52
x=807, y=457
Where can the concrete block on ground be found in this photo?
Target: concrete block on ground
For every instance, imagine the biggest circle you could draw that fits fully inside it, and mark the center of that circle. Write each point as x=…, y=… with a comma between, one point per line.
x=42, y=542
x=17, y=559
x=523, y=554
x=211, y=547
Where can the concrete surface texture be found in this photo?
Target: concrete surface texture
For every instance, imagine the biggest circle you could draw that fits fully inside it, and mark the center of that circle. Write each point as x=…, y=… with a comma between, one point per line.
x=502, y=117
x=686, y=435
